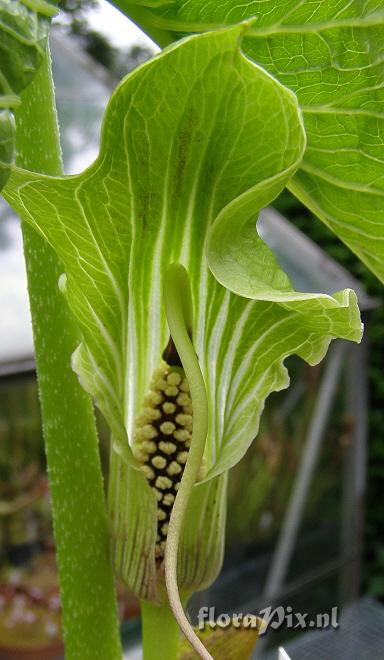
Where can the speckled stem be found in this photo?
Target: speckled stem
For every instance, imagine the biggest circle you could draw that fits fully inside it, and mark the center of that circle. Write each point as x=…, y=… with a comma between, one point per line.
x=80, y=522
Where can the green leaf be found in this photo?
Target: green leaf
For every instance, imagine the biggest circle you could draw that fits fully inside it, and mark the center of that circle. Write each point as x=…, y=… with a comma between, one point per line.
x=23, y=33
x=193, y=144
x=331, y=55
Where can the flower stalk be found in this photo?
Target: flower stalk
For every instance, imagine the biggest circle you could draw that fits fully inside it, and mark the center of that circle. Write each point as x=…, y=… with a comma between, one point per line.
x=159, y=631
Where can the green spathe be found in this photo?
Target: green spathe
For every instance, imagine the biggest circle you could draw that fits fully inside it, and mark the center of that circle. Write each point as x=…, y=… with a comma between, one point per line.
x=331, y=55
x=193, y=144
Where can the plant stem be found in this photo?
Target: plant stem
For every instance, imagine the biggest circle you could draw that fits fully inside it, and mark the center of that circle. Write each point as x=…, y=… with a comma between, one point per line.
x=80, y=521
x=160, y=632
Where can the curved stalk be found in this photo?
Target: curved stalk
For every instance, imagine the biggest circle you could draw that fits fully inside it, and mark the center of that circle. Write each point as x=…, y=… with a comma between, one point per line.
x=178, y=309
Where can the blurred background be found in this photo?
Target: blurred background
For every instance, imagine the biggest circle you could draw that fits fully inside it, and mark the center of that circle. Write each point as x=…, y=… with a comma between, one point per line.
x=307, y=530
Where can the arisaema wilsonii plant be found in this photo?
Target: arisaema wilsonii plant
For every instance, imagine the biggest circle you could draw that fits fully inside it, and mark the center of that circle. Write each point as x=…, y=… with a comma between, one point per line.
x=185, y=316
